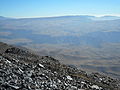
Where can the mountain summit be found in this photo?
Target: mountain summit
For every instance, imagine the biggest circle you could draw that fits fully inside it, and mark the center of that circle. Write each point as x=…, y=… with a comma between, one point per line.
x=21, y=69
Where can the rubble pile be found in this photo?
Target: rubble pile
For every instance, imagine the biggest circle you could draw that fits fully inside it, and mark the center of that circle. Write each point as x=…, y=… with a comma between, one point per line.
x=31, y=72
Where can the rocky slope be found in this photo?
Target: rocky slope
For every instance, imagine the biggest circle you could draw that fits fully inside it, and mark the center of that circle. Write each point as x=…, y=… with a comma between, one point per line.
x=23, y=70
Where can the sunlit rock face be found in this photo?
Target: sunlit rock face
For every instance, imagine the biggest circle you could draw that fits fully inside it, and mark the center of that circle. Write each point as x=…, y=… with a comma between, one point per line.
x=23, y=69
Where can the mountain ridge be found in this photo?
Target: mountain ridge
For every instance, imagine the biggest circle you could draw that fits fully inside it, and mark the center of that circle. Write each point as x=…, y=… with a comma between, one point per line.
x=105, y=17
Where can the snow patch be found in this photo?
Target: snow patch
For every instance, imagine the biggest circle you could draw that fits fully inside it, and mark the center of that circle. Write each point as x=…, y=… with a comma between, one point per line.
x=41, y=65
x=69, y=77
x=95, y=87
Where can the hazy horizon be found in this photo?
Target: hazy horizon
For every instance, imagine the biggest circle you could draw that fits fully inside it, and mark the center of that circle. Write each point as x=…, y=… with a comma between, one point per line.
x=98, y=16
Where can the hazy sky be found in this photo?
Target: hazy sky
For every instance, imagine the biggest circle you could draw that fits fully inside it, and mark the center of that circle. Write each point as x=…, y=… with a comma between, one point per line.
x=43, y=8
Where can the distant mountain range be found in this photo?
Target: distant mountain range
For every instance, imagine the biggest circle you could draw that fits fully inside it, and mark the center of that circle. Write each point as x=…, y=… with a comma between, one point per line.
x=87, y=30
x=107, y=17
x=89, y=42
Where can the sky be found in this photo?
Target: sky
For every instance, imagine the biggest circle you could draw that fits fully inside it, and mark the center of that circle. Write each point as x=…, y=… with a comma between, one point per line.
x=49, y=8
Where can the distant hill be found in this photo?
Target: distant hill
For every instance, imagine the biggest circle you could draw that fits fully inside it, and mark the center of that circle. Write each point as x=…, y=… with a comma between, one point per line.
x=4, y=18
x=106, y=18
